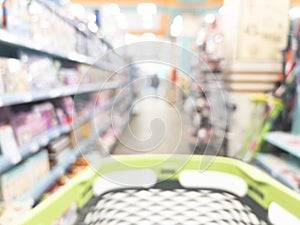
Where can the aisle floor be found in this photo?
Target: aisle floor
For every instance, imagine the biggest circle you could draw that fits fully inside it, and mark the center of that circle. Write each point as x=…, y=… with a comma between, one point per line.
x=157, y=126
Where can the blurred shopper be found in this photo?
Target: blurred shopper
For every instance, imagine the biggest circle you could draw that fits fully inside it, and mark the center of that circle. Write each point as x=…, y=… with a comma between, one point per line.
x=154, y=82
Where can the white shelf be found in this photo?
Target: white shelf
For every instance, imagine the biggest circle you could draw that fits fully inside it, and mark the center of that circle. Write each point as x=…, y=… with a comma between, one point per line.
x=33, y=146
x=276, y=166
x=25, y=97
x=45, y=138
x=286, y=141
x=47, y=181
x=20, y=43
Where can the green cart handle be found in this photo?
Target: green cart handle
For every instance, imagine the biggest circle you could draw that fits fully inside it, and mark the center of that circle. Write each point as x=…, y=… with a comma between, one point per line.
x=263, y=189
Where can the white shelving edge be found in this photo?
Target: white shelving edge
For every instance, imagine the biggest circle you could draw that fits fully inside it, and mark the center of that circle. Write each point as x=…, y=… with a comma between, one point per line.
x=263, y=160
x=286, y=141
x=26, y=43
x=26, y=97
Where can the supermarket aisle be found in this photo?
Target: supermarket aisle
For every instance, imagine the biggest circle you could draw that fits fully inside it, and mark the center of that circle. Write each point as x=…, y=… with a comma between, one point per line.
x=156, y=127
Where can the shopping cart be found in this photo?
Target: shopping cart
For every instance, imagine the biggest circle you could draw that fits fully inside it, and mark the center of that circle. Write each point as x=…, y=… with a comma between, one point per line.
x=163, y=189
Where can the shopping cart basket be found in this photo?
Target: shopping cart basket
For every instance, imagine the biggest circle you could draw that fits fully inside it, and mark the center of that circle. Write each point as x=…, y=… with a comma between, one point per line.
x=162, y=189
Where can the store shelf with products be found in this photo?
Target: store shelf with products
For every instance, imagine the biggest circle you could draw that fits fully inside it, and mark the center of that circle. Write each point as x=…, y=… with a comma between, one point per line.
x=282, y=167
x=56, y=172
x=17, y=43
x=66, y=157
x=281, y=146
x=70, y=157
x=33, y=146
x=47, y=96
x=37, y=142
x=8, y=99
x=25, y=26
x=286, y=141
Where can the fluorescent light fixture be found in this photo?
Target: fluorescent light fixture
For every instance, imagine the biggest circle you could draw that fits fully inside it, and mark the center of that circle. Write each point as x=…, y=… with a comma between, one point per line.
x=77, y=10
x=92, y=27
x=147, y=21
x=114, y=9
x=175, y=30
x=130, y=38
x=223, y=10
x=178, y=20
x=91, y=17
x=294, y=12
x=148, y=37
x=146, y=8
x=218, y=38
x=210, y=18
x=122, y=21
x=176, y=26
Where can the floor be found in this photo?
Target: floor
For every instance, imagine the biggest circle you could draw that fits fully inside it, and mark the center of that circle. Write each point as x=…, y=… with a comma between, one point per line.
x=158, y=125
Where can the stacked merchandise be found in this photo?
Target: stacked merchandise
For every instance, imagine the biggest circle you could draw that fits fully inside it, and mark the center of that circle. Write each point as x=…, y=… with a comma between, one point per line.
x=31, y=127
x=200, y=115
x=34, y=72
x=43, y=22
x=209, y=42
x=50, y=107
x=203, y=89
x=276, y=144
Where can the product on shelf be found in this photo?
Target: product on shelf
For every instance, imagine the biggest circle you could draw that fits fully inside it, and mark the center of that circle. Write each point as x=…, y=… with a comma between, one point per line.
x=27, y=125
x=69, y=76
x=65, y=111
x=17, y=17
x=8, y=144
x=104, y=97
x=79, y=165
x=18, y=181
x=81, y=133
x=13, y=185
x=12, y=211
x=29, y=122
x=57, y=149
x=2, y=89
x=47, y=28
x=92, y=74
x=283, y=166
x=14, y=76
x=108, y=138
x=38, y=166
x=99, y=118
x=47, y=114
x=41, y=70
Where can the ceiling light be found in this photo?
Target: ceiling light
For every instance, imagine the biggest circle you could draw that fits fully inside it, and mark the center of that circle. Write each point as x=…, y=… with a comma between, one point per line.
x=210, y=18
x=114, y=9
x=146, y=9
x=148, y=37
x=223, y=10
x=178, y=19
x=294, y=12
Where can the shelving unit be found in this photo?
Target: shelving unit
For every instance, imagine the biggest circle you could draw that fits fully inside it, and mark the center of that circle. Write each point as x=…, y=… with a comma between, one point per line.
x=277, y=167
x=283, y=162
x=286, y=141
x=282, y=166
x=14, y=44
x=10, y=46
x=9, y=99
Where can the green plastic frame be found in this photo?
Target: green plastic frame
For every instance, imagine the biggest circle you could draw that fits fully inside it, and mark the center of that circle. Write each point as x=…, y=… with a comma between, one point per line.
x=254, y=140
x=264, y=189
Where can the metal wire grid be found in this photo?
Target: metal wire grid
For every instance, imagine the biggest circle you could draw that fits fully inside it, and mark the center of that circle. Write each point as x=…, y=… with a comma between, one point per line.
x=167, y=207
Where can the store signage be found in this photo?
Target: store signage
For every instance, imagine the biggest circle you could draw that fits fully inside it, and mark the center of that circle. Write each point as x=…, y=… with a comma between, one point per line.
x=263, y=30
